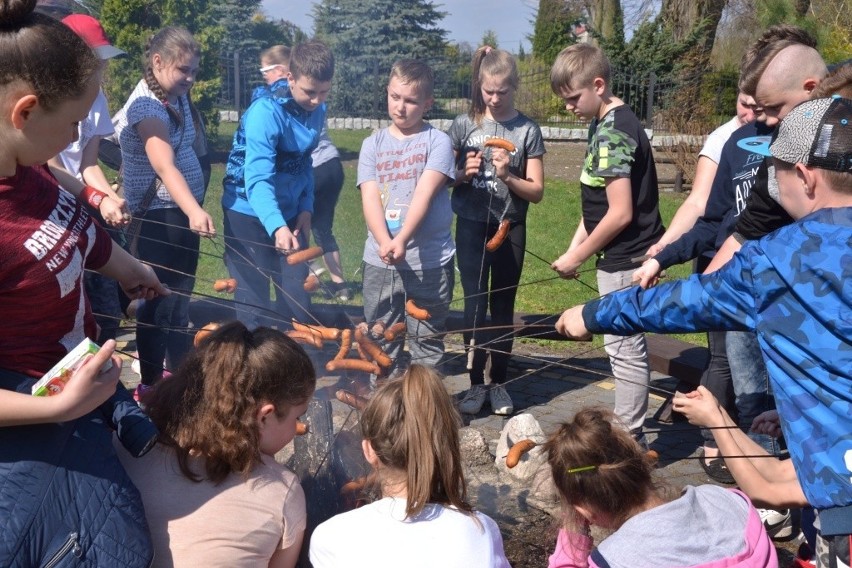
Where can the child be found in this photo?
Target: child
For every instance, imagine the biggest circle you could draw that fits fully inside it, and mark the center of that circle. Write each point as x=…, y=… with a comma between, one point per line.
x=268, y=197
x=621, y=219
x=164, y=187
x=328, y=180
x=80, y=159
x=604, y=479
x=213, y=493
x=411, y=440
x=403, y=172
x=492, y=186
x=792, y=288
x=55, y=456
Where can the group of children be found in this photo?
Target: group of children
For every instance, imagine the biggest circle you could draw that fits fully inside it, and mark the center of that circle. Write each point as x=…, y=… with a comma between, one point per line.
x=210, y=491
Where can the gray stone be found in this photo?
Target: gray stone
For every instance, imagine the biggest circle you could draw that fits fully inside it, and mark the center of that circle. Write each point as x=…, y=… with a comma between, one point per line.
x=474, y=448
x=519, y=428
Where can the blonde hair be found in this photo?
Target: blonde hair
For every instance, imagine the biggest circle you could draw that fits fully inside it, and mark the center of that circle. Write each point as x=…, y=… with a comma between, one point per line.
x=492, y=62
x=413, y=427
x=577, y=66
x=415, y=73
x=276, y=55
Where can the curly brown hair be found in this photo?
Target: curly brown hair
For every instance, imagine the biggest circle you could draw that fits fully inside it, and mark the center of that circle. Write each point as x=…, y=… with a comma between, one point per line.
x=209, y=406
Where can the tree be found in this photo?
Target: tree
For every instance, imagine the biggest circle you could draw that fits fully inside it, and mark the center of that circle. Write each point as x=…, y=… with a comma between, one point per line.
x=130, y=23
x=552, y=30
x=366, y=37
x=490, y=38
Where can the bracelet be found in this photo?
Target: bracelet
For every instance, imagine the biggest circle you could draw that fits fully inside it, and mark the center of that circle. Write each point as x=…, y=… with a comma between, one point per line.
x=92, y=196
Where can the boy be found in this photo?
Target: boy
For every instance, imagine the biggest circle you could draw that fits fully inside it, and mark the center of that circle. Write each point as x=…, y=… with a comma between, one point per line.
x=794, y=288
x=268, y=194
x=620, y=215
x=403, y=173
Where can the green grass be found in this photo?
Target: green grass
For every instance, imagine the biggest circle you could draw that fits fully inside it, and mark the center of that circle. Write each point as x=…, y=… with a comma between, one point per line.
x=550, y=226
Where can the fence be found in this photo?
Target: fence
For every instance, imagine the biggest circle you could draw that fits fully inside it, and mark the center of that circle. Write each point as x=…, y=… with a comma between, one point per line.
x=655, y=101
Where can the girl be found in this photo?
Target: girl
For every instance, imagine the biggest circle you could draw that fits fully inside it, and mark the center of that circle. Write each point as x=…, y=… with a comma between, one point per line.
x=213, y=493
x=164, y=187
x=411, y=440
x=491, y=186
x=56, y=459
x=604, y=479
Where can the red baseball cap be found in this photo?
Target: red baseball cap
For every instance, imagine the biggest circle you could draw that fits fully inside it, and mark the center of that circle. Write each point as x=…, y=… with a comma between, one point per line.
x=93, y=34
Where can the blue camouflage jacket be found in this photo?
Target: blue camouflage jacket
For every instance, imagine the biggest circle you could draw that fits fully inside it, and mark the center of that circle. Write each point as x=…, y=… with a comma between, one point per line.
x=794, y=289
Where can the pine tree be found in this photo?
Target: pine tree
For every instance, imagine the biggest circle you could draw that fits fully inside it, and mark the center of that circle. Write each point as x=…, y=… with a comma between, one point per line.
x=367, y=36
x=552, y=30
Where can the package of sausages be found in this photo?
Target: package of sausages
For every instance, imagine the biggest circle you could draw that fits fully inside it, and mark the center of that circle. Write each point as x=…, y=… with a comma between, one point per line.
x=55, y=379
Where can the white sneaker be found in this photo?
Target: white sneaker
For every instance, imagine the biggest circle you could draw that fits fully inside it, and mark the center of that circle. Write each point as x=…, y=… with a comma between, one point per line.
x=501, y=402
x=473, y=400
x=778, y=523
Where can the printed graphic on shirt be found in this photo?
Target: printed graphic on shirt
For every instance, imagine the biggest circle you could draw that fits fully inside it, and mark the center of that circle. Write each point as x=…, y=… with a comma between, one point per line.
x=744, y=180
x=397, y=171
x=610, y=154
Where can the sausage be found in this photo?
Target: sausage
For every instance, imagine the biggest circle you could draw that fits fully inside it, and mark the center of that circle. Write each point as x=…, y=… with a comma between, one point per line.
x=372, y=350
x=202, y=333
x=305, y=255
x=393, y=331
x=327, y=333
x=311, y=284
x=652, y=457
x=498, y=238
x=416, y=312
x=345, y=344
x=519, y=449
x=500, y=143
x=301, y=428
x=352, y=399
x=305, y=338
x=353, y=365
x=354, y=486
x=228, y=285
x=361, y=353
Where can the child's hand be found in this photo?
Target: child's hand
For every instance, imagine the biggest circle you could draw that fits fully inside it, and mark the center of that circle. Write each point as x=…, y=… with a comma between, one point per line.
x=648, y=274
x=472, y=165
x=392, y=252
x=655, y=249
x=285, y=240
x=566, y=265
x=768, y=423
x=303, y=225
x=143, y=283
x=115, y=212
x=500, y=160
x=88, y=387
x=571, y=324
x=700, y=407
x=201, y=222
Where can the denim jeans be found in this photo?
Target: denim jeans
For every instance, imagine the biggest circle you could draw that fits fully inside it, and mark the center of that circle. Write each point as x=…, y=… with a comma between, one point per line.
x=628, y=357
x=717, y=379
x=385, y=292
x=751, y=384
x=262, y=273
x=328, y=181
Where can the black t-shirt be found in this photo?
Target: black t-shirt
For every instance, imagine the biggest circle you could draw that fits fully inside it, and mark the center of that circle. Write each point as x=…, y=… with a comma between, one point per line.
x=763, y=214
x=619, y=147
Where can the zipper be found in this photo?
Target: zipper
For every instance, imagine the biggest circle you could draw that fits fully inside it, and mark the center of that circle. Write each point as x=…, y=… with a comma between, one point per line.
x=70, y=545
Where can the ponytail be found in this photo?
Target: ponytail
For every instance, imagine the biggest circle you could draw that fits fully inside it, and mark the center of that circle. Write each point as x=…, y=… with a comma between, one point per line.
x=413, y=427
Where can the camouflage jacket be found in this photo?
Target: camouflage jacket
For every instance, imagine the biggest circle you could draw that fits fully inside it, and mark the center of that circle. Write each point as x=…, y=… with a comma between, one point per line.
x=794, y=289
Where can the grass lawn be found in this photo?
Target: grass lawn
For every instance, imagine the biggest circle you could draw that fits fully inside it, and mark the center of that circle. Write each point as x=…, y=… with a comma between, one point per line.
x=550, y=226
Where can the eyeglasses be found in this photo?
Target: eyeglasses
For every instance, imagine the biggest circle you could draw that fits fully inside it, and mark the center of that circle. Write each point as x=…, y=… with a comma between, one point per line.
x=268, y=68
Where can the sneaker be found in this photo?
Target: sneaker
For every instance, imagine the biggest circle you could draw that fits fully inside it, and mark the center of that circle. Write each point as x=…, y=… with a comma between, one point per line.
x=716, y=469
x=339, y=291
x=778, y=523
x=316, y=268
x=501, y=402
x=473, y=400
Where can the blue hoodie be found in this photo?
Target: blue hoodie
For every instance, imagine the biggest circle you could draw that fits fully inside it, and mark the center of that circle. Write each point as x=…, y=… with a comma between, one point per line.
x=269, y=174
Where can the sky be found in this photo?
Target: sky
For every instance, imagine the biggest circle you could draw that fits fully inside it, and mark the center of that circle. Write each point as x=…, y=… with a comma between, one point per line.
x=466, y=20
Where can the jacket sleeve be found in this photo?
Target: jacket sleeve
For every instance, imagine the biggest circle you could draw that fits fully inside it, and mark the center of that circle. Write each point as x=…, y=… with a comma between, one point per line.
x=263, y=130
x=572, y=551
x=721, y=301
x=701, y=237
